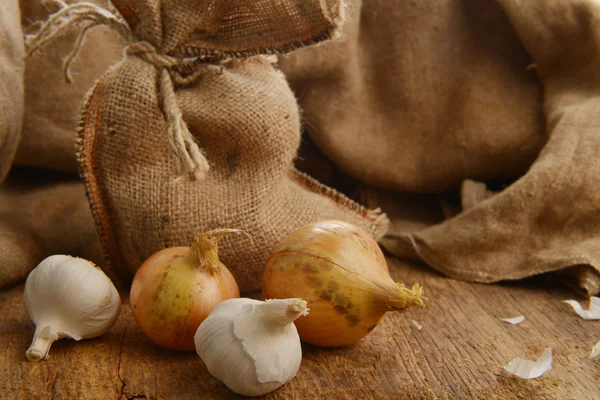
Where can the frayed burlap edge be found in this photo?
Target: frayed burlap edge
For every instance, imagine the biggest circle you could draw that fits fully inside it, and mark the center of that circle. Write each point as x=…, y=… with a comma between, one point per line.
x=378, y=219
x=204, y=54
x=114, y=261
x=189, y=49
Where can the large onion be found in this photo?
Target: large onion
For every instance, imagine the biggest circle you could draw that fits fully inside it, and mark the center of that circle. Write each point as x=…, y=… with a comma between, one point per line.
x=177, y=288
x=342, y=274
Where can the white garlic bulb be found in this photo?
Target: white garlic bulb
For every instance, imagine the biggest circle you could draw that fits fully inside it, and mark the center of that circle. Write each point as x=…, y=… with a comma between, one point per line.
x=252, y=346
x=68, y=297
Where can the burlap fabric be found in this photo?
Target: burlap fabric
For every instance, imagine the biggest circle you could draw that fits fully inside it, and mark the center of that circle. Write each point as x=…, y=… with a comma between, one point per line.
x=51, y=104
x=421, y=95
x=549, y=219
x=224, y=27
x=11, y=83
x=43, y=214
x=245, y=119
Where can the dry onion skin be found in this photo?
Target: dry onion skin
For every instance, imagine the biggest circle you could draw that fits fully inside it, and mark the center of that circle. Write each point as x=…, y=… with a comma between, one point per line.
x=342, y=274
x=176, y=289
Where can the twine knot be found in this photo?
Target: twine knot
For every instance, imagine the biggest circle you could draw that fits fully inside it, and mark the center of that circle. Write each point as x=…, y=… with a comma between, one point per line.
x=148, y=53
x=191, y=161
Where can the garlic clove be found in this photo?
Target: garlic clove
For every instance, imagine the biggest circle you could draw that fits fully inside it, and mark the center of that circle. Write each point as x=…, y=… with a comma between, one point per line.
x=515, y=320
x=527, y=369
x=595, y=350
x=593, y=313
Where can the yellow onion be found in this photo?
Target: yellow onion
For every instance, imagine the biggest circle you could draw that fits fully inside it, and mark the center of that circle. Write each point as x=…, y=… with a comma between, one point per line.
x=342, y=274
x=176, y=289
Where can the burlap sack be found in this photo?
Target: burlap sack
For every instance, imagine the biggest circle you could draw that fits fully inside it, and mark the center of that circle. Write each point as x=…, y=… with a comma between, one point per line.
x=241, y=112
x=43, y=214
x=11, y=83
x=421, y=95
x=549, y=219
x=51, y=104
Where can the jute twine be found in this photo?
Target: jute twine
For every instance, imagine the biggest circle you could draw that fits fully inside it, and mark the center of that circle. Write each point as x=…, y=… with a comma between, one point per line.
x=191, y=160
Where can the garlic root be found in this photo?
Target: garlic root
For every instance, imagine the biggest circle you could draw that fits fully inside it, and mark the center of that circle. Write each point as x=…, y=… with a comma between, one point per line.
x=42, y=340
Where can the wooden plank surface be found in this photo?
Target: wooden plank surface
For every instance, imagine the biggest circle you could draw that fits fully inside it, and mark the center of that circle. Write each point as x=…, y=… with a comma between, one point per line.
x=459, y=353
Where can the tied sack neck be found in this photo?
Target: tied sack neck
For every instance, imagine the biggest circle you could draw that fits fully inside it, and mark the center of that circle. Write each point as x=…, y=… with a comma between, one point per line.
x=191, y=160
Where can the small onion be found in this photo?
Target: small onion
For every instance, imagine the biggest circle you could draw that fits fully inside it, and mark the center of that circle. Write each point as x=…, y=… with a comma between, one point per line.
x=176, y=289
x=342, y=274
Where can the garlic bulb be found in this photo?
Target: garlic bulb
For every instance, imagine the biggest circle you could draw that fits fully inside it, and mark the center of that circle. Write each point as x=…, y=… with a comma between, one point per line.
x=68, y=297
x=252, y=346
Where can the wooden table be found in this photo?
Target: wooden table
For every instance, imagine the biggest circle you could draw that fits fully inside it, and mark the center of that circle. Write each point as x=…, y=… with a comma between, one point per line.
x=459, y=353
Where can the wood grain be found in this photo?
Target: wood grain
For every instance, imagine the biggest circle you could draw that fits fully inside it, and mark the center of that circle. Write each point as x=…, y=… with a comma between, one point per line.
x=459, y=353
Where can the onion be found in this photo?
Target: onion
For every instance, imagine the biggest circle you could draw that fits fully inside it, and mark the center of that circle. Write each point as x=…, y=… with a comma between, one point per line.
x=176, y=289
x=342, y=274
